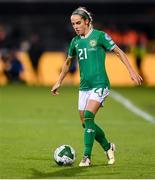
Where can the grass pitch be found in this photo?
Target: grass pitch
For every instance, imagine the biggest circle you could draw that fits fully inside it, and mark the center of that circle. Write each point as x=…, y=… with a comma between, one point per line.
x=33, y=124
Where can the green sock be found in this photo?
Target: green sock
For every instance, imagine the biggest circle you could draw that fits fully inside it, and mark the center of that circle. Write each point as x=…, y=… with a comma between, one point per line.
x=89, y=132
x=100, y=138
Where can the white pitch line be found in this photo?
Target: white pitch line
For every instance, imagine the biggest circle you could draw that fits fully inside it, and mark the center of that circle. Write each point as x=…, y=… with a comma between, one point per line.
x=129, y=105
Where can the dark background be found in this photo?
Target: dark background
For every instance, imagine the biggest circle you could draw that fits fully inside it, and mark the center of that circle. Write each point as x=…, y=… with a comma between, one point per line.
x=51, y=19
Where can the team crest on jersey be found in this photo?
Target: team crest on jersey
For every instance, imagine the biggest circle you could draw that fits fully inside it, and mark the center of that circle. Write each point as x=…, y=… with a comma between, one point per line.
x=93, y=43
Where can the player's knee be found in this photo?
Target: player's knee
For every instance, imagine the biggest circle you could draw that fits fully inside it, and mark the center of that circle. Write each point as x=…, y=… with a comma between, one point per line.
x=89, y=120
x=88, y=115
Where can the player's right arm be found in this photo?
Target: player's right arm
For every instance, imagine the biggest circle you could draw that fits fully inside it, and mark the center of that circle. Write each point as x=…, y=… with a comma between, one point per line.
x=65, y=68
x=63, y=73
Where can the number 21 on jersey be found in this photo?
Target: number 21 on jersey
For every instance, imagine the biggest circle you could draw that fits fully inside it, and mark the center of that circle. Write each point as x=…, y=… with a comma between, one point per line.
x=82, y=53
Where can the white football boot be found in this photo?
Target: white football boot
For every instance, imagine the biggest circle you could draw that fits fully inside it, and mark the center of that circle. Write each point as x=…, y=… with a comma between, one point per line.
x=85, y=162
x=110, y=154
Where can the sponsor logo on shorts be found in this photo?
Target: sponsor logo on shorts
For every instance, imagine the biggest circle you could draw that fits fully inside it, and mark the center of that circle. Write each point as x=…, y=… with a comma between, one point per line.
x=99, y=91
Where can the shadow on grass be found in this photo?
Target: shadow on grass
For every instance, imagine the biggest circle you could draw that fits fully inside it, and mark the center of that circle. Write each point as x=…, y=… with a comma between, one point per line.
x=62, y=173
x=66, y=172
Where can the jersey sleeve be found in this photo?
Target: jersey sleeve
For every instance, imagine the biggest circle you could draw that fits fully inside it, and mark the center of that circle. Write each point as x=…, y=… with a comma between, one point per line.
x=71, y=50
x=106, y=41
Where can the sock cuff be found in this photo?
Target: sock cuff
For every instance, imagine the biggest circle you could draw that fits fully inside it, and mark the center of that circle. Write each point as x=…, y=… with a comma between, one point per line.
x=88, y=115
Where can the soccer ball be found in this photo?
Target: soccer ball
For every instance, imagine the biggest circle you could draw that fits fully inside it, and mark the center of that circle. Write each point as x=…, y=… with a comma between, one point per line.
x=64, y=155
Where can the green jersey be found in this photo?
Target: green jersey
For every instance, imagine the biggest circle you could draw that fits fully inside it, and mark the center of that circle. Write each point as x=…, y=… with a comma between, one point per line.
x=91, y=51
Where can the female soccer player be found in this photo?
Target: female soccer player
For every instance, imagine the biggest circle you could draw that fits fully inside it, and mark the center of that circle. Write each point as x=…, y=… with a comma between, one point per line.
x=90, y=46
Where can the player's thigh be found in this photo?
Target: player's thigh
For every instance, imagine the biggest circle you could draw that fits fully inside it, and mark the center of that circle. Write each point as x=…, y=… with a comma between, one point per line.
x=93, y=106
x=81, y=113
x=83, y=100
x=96, y=99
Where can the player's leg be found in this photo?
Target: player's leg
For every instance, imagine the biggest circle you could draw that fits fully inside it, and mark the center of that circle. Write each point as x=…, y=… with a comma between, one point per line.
x=102, y=140
x=99, y=136
x=99, y=95
x=109, y=148
x=81, y=113
x=82, y=103
x=89, y=131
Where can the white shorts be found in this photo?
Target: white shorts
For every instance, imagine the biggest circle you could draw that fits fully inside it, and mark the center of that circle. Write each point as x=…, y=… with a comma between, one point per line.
x=97, y=94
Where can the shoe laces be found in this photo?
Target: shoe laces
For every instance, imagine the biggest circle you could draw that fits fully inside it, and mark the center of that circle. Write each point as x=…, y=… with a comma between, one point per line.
x=84, y=159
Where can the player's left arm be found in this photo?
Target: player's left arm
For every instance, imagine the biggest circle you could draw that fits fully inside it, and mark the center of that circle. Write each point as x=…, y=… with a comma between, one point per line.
x=133, y=74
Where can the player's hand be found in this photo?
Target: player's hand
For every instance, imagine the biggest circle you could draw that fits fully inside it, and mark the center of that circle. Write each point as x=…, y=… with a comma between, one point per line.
x=136, y=78
x=55, y=88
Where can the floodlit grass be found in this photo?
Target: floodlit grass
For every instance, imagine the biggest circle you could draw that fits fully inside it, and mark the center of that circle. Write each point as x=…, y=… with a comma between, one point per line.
x=33, y=124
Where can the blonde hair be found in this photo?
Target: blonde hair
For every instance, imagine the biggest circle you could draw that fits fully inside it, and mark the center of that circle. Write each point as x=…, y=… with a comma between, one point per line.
x=82, y=11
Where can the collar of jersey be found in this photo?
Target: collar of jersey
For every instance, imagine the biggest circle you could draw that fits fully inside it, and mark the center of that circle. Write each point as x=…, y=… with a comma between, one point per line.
x=84, y=37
